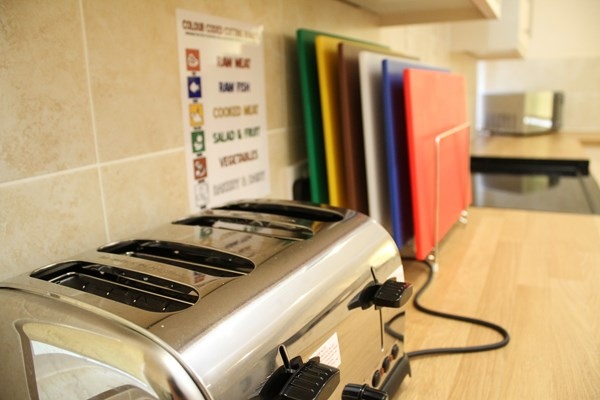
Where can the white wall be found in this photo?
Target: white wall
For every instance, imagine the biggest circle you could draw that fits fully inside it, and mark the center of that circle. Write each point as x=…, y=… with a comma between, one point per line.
x=564, y=54
x=565, y=29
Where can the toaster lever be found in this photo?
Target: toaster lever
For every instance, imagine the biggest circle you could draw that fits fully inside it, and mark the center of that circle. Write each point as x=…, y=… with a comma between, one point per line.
x=391, y=293
x=296, y=380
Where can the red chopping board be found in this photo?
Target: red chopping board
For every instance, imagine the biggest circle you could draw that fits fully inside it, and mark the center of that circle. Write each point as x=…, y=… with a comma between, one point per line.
x=436, y=103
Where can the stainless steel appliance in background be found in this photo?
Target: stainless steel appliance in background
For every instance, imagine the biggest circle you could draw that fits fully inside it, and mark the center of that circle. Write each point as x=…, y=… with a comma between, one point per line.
x=523, y=113
x=253, y=300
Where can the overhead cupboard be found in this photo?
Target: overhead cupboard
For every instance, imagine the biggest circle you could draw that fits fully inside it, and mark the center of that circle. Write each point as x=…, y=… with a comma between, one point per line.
x=386, y=135
x=508, y=36
x=486, y=29
x=394, y=12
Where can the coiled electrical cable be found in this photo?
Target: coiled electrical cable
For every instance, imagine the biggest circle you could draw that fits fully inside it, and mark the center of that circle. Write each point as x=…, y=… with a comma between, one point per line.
x=447, y=350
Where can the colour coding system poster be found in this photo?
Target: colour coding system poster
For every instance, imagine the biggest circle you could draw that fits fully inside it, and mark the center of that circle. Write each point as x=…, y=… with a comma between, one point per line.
x=224, y=114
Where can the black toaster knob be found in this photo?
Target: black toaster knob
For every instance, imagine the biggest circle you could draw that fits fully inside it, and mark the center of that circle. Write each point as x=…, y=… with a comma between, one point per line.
x=362, y=392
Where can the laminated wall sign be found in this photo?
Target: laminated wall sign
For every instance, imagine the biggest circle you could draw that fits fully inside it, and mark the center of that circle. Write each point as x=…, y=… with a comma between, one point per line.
x=221, y=66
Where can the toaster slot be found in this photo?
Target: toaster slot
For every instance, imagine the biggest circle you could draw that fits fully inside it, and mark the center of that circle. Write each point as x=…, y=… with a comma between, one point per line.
x=136, y=289
x=195, y=258
x=295, y=210
x=276, y=229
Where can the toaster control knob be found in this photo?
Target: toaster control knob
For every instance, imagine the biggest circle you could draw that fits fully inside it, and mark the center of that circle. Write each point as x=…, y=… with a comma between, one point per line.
x=362, y=392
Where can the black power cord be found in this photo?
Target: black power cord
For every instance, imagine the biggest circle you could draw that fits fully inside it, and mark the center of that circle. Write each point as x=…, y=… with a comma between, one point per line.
x=447, y=350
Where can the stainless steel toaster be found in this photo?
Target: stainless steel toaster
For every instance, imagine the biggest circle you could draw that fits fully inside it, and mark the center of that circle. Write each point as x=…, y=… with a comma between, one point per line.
x=253, y=300
x=527, y=113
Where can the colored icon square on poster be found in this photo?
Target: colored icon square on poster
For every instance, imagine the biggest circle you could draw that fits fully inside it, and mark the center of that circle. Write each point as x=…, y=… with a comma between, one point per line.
x=194, y=87
x=196, y=114
x=192, y=59
x=201, y=194
x=200, y=171
x=198, y=143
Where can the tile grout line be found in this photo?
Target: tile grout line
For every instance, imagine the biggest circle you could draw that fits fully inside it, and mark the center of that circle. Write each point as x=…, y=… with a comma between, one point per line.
x=93, y=118
x=142, y=156
x=92, y=166
x=47, y=175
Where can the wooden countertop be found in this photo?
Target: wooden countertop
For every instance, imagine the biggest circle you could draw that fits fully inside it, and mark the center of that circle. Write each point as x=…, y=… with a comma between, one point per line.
x=548, y=146
x=549, y=153
x=538, y=275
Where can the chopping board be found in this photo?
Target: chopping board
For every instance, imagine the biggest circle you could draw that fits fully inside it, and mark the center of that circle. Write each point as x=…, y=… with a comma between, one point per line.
x=352, y=124
x=371, y=90
x=311, y=111
x=330, y=69
x=397, y=147
x=435, y=104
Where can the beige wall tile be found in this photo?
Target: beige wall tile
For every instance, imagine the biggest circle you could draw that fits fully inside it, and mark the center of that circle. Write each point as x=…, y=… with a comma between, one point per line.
x=48, y=219
x=466, y=65
x=326, y=16
x=287, y=149
x=45, y=123
x=256, y=11
x=132, y=47
x=430, y=43
x=144, y=193
x=581, y=112
x=330, y=16
x=275, y=74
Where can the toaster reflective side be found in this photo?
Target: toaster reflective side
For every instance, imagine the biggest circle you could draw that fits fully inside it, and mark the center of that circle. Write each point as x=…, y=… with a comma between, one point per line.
x=54, y=349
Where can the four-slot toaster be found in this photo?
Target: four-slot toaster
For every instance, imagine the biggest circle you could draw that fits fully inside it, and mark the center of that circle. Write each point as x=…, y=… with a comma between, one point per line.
x=253, y=300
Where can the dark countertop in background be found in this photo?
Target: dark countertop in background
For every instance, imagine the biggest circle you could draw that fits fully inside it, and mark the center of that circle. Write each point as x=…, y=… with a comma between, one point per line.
x=548, y=172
